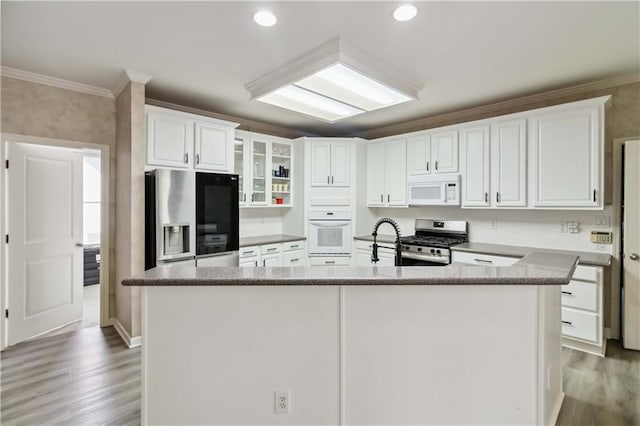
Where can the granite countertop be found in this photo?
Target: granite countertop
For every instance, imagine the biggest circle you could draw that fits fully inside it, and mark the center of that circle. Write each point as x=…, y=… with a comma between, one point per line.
x=269, y=239
x=584, y=257
x=536, y=268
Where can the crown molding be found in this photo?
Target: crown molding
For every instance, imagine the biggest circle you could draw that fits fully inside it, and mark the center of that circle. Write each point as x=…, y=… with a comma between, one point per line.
x=503, y=107
x=55, y=82
x=126, y=77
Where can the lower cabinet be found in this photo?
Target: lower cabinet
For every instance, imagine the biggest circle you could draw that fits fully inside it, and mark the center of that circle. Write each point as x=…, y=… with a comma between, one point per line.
x=483, y=259
x=293, y=253
x=582, y=311
x=364, y=250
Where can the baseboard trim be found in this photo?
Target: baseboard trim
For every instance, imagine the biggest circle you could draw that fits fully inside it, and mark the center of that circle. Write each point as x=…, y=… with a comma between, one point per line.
x=556, y=409
x=131, y=342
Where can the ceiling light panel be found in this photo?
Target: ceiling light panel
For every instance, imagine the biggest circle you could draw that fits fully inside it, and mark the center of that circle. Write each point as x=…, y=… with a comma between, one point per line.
x=306, y=102
x=405, y=13
x=265, y=19
x=348, y=86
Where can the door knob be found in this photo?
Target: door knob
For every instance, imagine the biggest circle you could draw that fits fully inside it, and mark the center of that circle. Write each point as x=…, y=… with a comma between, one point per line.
x=634, y=256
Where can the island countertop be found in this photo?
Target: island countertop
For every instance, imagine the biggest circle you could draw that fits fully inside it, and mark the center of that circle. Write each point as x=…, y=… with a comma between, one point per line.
x=536, y=268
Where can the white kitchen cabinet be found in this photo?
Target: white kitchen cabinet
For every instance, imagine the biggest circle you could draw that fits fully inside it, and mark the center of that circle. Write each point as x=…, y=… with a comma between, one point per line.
x=272, y=259
x=364, y=250
x=493, y=164
x=258, y=158
x=330, y=260
x=387, y=173
x=566, y=156
x=509, y=163
x=169, y=139
x=213, y=150
x=482, y=259
x=475, y=167
x=330, y=163
x=188, y=141
x=431, y=153
x=582, y=311
x=292, y=253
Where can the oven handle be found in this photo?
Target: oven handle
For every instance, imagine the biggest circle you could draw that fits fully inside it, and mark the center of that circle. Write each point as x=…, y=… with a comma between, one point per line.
x=444, y=261
x=329, y=224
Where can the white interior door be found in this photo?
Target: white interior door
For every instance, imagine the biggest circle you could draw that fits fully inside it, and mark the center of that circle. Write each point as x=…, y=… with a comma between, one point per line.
x=631, y=262
x=44, y=254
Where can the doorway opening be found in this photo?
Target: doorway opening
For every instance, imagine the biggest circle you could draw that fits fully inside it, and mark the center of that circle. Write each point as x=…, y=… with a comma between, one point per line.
x=55, y=262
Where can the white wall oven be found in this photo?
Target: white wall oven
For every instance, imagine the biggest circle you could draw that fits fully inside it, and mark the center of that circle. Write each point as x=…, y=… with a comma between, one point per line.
x=329, y=232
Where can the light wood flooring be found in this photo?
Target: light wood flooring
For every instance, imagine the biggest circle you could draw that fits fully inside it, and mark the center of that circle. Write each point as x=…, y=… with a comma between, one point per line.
x=89, y=376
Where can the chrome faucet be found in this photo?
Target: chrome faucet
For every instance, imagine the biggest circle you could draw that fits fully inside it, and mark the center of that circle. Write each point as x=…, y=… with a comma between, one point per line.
x=374, y=254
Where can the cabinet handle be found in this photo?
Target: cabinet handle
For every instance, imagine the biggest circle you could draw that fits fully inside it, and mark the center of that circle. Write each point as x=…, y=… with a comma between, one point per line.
x=331, y=180
x=329, y=262
x=567, y=292
x=382, y=198
x=272, y=249
x=264, y=262
x=244, y=197
x=567, y=322
x=497, y=197
x=484, y=261
x=256, y=263
x=388, y=198
x=436, y=164
x=427, y=166
x=197, y=158
x=486, y=197
x=252, y=196
x=296, y=246
x=186, y=157
x=294, y=260
x=328, y=180
x=594, y=195
x=247, y=252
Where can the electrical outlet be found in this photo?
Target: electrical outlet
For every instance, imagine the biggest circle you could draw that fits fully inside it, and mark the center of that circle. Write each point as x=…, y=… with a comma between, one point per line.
x=563, y=227
x=603, y=221
x=573, y=227
x=282, y=401
x=493, y=224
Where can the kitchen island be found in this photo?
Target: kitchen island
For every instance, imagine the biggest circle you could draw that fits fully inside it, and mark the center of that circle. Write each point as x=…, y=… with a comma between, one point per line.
x=461, y=344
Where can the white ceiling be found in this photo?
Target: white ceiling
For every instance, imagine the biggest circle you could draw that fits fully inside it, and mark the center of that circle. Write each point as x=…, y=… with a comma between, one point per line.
x=202, y=54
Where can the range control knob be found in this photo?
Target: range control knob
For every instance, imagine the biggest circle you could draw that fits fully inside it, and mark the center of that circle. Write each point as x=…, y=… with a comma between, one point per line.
x=419, y=248
x=438, y=251
x=433, y=251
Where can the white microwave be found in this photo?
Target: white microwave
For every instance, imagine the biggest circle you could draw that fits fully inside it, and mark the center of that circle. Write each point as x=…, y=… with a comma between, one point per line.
x=434, y=190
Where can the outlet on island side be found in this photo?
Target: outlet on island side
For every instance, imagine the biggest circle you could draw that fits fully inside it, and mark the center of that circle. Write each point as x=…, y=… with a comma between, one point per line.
x=282, y=401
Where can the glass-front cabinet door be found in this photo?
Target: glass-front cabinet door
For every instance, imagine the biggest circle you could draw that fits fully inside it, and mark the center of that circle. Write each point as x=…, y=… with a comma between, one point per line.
x=280, y=174
x=259, y=170
x=238, y=168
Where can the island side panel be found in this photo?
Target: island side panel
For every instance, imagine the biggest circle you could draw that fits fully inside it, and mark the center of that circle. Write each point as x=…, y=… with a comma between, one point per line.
x=214, y=355
x=550, y=354
x=440, y=354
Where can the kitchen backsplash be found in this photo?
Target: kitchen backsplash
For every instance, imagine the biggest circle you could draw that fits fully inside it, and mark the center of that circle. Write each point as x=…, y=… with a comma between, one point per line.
x=512, y=227
x=256, y=222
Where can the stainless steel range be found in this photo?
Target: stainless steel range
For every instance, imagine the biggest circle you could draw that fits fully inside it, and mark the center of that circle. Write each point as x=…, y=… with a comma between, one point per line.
x=430, y=245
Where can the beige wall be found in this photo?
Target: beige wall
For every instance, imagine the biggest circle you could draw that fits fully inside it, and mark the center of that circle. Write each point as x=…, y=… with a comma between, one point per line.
x=130, y=154
x=39, y=110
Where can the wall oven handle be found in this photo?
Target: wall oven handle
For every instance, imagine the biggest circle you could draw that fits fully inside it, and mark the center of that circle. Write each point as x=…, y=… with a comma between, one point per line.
x=484, y=261
x=329, y=262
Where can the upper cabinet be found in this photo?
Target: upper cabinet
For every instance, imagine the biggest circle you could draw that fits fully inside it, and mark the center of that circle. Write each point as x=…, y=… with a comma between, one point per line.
x=475, y=166
x=433, y=153
x=387, y=173
x=566, y=156
x=188, y=141
x=264, y=165
x=330, y=163
x=509, y=163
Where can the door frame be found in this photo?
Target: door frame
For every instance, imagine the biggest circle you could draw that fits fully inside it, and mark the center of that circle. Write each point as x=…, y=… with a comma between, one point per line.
x=105, y=201
x=616, y=199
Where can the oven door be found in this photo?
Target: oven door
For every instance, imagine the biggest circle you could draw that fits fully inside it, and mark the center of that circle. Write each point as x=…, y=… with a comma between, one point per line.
x=329, y=237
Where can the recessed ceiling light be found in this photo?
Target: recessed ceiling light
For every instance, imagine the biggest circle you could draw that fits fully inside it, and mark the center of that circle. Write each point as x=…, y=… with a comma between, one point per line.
x=405, y=12
x=264, y=18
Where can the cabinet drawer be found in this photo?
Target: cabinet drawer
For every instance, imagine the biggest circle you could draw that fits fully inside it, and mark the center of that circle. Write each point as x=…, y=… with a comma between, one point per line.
x=580, y=325
x=580, y=294
x=330, y=261
x=586, y=273
x=251, y=251
x=483, y=259
x=249, y=262
x=293, y=245
x=270, y=248
x=295, y=258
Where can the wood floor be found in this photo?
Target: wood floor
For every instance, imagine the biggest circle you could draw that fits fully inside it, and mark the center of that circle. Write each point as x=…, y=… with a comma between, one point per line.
x=89, y=376
x=84, y=377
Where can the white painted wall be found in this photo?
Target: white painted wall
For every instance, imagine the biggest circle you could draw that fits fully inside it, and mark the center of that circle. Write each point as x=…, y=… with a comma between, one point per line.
x=256, y=222
x=539, y=228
